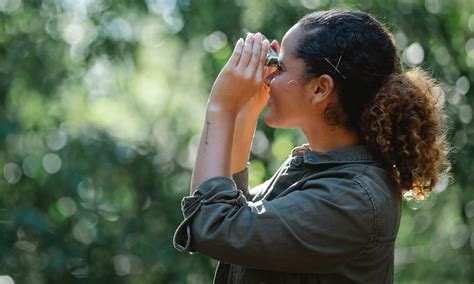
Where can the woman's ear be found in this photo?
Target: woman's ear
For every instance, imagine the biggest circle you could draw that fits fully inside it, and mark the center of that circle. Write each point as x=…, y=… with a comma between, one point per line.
x=321, y=88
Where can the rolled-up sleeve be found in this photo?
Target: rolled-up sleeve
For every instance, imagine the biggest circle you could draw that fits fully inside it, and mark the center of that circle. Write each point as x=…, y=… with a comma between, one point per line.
x=312, y=230
x=220, y=191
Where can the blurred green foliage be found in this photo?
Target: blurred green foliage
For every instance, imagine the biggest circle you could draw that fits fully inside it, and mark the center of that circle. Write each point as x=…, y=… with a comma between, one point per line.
x=101, y=106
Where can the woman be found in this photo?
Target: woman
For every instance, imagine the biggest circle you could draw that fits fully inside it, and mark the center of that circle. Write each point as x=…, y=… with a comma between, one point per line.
x=331, y=212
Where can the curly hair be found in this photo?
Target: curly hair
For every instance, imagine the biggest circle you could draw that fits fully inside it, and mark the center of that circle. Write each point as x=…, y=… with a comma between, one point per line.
x=397, y=113
x=406, y=126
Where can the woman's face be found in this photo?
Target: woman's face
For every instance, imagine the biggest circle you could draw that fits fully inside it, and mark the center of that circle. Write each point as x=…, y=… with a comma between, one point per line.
x=288, y=105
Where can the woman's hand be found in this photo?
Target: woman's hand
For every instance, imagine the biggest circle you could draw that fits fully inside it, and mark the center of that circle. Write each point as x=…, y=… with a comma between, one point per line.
x=256, y=104
x=246, y=122
x=242, y=77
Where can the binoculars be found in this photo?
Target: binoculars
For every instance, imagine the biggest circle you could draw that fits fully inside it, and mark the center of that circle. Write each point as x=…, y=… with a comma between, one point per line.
x=272, y=56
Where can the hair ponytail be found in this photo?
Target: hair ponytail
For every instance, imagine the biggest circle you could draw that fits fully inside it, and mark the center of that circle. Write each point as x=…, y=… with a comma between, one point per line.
x=406, y=126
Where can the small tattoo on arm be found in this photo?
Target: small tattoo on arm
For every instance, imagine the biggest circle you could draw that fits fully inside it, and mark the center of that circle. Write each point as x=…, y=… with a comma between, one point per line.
x=207, y=134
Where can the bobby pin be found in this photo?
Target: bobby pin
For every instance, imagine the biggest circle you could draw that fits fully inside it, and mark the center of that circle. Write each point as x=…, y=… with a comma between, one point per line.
x=336, y=67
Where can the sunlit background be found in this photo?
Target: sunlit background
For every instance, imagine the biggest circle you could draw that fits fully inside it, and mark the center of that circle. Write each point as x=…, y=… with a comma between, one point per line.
x=101, y=106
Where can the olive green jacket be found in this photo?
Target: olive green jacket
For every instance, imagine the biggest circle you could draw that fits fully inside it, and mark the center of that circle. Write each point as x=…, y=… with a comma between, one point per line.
x=322, y=218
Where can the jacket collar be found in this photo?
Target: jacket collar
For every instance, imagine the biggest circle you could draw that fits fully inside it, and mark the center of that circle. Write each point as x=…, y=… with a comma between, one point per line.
x=352, y=154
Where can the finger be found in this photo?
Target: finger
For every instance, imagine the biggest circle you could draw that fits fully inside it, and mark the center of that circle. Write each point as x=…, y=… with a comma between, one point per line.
x=256, y=50
x=235, y=57
x=260, y=73
x=270, y=70
x=247, y=52
x=276, y=46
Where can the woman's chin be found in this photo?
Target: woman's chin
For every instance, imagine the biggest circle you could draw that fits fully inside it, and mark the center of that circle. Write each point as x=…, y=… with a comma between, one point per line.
x=270, y=120
x=274, y=120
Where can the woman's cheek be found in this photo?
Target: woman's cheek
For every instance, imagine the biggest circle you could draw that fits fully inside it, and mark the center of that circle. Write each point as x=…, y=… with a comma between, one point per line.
x=278, y=85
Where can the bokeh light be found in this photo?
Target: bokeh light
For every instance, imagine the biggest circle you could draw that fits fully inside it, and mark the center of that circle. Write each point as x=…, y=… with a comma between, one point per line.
x=12, y=173
x=52, y=163
x=414, y=54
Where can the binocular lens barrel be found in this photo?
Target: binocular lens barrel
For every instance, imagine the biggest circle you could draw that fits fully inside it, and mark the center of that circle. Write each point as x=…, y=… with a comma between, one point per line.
x=272, y=58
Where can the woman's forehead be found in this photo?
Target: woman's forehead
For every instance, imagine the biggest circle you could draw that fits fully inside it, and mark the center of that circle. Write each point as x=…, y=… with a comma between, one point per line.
x=290, y=40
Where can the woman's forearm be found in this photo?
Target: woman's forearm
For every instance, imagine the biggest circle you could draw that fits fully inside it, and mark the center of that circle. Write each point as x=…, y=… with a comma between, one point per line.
x=237, y=83
x=215, y=147
x=242, y=141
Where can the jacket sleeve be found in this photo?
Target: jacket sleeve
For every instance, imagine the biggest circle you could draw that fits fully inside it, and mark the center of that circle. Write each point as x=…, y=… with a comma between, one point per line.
x=312, y=230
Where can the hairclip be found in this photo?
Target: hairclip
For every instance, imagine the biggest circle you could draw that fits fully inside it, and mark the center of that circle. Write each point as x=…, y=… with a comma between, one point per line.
x=336, y=67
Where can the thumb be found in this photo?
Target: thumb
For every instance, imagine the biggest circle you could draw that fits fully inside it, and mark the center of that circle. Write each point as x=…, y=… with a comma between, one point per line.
x=275, y=45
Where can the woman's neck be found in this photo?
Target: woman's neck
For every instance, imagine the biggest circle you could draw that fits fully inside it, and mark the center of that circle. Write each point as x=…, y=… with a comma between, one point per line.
x=325, y=138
